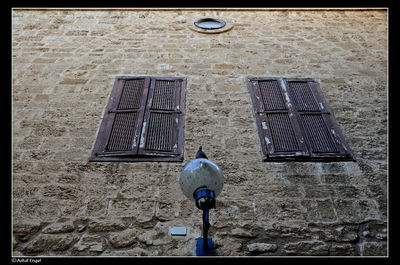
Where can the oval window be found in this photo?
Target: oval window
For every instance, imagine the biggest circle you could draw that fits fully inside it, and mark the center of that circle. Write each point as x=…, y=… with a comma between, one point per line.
x=209, y=23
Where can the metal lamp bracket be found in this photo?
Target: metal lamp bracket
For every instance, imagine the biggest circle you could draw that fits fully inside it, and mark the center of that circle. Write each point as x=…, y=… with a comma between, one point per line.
x=205, y=200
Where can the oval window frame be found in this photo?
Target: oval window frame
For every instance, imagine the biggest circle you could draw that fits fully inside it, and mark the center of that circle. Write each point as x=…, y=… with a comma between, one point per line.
x=227, y=27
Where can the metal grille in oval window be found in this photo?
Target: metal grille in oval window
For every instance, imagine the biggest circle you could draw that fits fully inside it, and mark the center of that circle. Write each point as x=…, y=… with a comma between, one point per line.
x=159, y=134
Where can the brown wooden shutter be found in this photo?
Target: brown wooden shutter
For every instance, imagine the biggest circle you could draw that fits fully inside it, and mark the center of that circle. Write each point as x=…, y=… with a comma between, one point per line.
x=323, y=136
x=278, y=129
x=294, y=121
x=143, y=121
x=162, y=131
x=120, y=129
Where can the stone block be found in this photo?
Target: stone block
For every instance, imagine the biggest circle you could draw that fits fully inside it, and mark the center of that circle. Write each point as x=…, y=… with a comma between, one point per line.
x=282, y=191
x=333, y=167
x=368, y=210
x=24, y=230
x=80, y=224
x=89, y=244
x=343, y=250
x=242, y=233
x=306, y=248
x=279, y=210
x=341, y=234
x=227, y=210
x=287, y=232
x=311, y=207
x=64, y=242
x=136, y=251
x=147, y=237
x=376, y=191
x=46, y=242
x=335, y=178
x=47, y=129
x=326, y=210
x=374, y=230
x=42, y=97
x=121, y=207
x=165, y=211
x=106, y=225
x=228, y=247
x=301, y=179
x=44, y=60
x=261, y=247
x=346, y=210
x=319, y=191
x=62, y=192
x=71, y=81
x=374, y=249
x=348, y=192
x=122, y=239
x=145, y=210
x=20, y=190
x=30, y=142
x=57, y=228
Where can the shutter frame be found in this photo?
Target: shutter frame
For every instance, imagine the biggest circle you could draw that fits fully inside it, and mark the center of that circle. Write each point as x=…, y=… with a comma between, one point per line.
x=343, y=150
x=297, y=120
x=109, y=118
x=176, y=114
x=100, y=155
x=106, y=123
x=263, y=122
x=257, y=106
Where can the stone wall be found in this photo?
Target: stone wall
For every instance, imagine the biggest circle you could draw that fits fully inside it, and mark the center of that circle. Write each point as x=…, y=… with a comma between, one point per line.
x=64, y=64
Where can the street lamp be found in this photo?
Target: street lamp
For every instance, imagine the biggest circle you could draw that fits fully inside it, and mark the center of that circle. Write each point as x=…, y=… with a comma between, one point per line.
x=201, y=181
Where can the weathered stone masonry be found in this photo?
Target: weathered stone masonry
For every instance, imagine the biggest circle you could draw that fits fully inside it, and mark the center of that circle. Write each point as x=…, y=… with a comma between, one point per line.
x=64, y=64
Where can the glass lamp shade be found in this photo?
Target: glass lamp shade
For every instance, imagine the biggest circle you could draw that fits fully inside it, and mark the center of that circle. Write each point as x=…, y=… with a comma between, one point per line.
x=198, y=174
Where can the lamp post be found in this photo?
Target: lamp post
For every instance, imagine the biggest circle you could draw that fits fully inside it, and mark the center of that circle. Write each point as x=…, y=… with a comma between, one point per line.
x=201, y=180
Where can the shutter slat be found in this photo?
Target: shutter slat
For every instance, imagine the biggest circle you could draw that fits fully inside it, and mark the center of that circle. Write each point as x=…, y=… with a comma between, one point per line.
x=131, y=94
x=282, y=133
x=320, y=138
x=271, y=95
x=121, y=138
x=302, y=96
x=164, y=95
x=159, y=134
